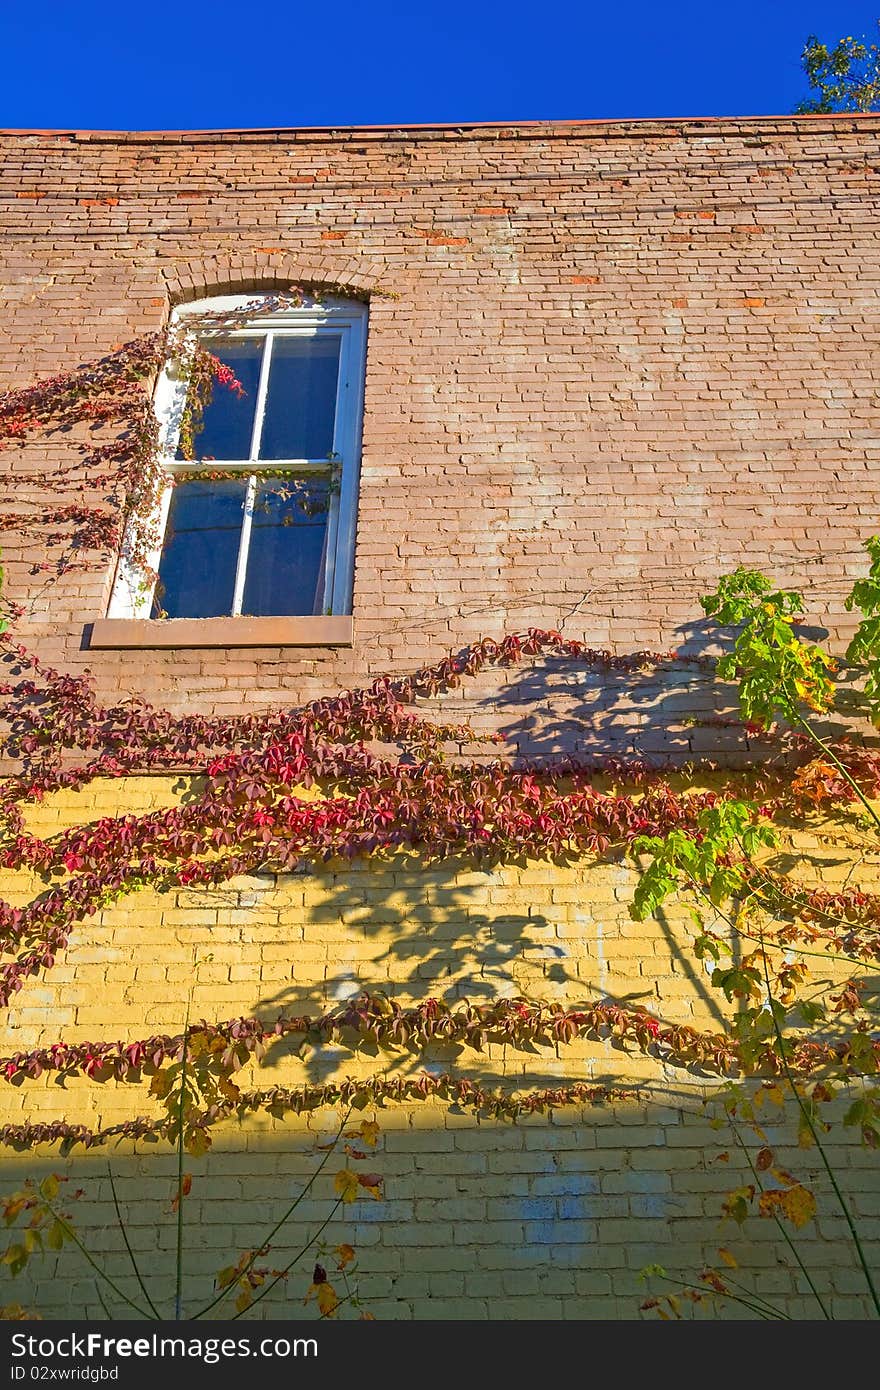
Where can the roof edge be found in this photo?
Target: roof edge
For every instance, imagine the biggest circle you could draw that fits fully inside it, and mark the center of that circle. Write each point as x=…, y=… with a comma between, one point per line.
x=444, y=128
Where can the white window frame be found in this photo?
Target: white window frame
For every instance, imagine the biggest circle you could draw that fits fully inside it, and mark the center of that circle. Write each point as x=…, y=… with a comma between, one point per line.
x=131, y=597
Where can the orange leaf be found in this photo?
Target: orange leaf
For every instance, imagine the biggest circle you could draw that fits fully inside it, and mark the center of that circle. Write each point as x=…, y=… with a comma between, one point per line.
x=371, y=1182
x=185, y=1189
x=344, y=1254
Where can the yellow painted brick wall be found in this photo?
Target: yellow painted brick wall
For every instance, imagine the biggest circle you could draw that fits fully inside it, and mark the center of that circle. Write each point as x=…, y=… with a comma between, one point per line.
x=550, y=1217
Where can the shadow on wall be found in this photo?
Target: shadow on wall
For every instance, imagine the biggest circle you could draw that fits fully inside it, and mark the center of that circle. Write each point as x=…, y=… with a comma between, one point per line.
x=677, y=712
x=421, y=933
x=478, y=1219
x=550, y=1216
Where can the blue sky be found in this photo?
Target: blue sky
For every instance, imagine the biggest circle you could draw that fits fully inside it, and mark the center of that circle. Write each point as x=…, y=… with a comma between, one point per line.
x=197, y=65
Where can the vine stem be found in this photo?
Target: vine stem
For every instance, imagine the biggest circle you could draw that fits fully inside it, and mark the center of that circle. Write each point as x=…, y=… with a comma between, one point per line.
x=262, y=1245
x=773, y=889
x=107, y=1314
x=792, y=713
x=767, y=1312
x=72, y=1235
x=121, y=1223
x=808, y=1120
x=178, y=1254
x=287, y=1268
x=783, y=1232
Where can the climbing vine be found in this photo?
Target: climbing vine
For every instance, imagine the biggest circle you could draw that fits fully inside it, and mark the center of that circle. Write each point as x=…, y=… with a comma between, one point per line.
x=365, y=774
x=126, y=471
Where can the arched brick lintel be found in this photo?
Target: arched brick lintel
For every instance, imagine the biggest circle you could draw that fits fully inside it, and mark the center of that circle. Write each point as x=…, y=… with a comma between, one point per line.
x=261, y=272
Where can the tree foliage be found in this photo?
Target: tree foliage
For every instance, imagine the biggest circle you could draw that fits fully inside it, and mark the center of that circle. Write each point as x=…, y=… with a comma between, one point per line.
x=843, y=78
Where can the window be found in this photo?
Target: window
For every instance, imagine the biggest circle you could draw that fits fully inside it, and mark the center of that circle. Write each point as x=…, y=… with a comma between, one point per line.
x=261, y=522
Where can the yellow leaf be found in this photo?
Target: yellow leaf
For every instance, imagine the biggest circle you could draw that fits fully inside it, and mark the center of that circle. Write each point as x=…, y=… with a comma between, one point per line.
x=14, y=1206
x=726, y=1256
x=346, y=1185
x=14, y=1312
x=799, y=1205
x=49, y=1187
x=369, y=1132
x=783, y=1175
x=327, y=1300
x=244, y=1300
x=55, y=1236
x=197, y=1142
x=161, y=1084
x=806, y=1137
x=344, y=1255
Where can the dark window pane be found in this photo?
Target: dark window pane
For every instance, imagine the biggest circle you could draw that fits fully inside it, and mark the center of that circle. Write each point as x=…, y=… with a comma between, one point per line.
x=301, y=401
x=229, y=419
x=200, y=552
x=285, y=573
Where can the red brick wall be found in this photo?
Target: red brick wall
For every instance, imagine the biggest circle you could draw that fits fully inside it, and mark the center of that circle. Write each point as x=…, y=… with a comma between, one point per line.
x=623, y=358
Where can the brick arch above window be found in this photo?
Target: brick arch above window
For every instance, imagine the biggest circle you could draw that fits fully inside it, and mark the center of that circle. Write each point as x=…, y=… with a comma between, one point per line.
x=258, y=273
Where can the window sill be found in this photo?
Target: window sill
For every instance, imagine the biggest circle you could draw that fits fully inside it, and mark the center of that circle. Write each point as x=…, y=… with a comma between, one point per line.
x=337, y=631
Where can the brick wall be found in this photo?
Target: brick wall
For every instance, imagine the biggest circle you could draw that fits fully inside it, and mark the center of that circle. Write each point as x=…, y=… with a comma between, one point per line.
x=552, y=1216
x=620, y=359
x=623, y=358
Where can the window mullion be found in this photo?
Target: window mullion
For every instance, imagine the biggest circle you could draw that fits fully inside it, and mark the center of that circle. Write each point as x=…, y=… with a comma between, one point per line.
x=251, y=494
x=262, y=392
x=244, y=545
x=332, y=537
